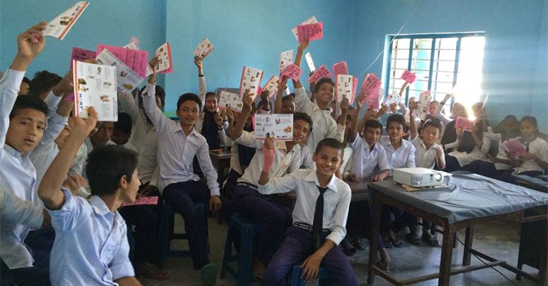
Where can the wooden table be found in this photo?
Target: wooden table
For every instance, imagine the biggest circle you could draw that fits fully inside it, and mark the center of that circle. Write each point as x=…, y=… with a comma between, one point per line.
x=453, y=208
x=221, y=161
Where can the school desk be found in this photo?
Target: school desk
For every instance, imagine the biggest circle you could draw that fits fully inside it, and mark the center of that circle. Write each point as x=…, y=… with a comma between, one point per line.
x=467, y=200
x=221, y=161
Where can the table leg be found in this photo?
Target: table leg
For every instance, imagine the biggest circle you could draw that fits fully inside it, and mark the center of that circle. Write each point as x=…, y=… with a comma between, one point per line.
x=374, y=239
x=468, y=241
x=446, y=254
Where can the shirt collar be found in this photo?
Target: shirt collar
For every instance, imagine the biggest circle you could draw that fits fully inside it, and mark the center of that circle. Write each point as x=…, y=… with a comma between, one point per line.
x=10, y=150
x=99, y=206
x=179, y=128
x=313, y=177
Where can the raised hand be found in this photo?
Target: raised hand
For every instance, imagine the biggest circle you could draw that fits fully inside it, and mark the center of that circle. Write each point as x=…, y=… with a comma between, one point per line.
x=74, y=183
x=344, y=104
x=268, y=153
x=303, y=45
x=447, y=97
x=247, y=100
x=29, y=45
x=85, y=126
x=218, y=120
x=360, y=100
x=153, y=63
x=65, y=86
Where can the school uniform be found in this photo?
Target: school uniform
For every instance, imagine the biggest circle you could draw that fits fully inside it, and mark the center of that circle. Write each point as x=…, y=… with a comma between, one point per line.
x=205, y=124
x=275, y=216
x=347, y=161
x=488, y=168
x=91, y=246
x=299, y=242
x=180, y=186
x=77, y=166
x=458, y=159
x=425, y=158
x=536, y=147
x=365, y=159
x=325, y=126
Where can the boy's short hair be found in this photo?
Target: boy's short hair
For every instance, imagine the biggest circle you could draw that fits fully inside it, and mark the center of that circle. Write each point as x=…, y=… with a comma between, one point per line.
x=42, y=82
x=434, y=123
x=329, y=142
x=303, y=117
x=124, y=123
x=397, y=118
x=210, y=94
x=288, y=97
x=106, y=165
x=372, y=123
x=187, y=97
x=29, y=101
x=26, y=80
x=321, y=82
x=160, y=93
x=531, y=119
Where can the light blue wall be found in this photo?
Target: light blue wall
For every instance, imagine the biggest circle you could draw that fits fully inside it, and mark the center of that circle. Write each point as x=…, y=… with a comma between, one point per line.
x=248, y=32
x=109, y=22
x=515, y=64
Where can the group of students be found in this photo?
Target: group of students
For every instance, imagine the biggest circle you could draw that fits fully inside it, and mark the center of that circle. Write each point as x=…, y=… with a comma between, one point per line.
x=64, y=179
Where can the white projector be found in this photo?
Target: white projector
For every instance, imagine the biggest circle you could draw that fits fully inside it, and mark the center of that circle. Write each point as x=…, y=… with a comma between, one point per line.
x=419, y=177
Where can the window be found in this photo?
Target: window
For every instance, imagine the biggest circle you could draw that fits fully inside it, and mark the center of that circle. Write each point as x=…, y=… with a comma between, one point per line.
x=443, y=63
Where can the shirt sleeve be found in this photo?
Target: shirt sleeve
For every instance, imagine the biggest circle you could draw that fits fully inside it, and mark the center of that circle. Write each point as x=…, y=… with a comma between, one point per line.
x=121, y=265
x=410, y=162
x=281, y=185
x=9, y=88
x=248, y=139
x=443, y=118
x=56, y=123
x=67, y=217
x=207, y=168
x=16, y=210
x=337, y=132
x=302, y=102
x=383, y=161
x=341, y=214
x=154, y=113
x=356, y=142
x=202, y=90
x=128, y=105
x=486, y=145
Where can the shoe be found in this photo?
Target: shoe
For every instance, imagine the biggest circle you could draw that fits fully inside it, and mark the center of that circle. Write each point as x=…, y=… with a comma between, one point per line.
x=413, y=238
x=358, y=244
x=208, y=274
x=347, y=247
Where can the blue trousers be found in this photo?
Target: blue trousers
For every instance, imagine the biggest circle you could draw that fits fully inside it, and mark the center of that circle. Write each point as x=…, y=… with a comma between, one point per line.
x=181, y=197
x=275, y=217
x=296, y=247
x=38, y=275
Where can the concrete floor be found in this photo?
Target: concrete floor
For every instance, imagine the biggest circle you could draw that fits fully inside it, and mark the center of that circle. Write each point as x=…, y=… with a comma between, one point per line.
x=499, y=239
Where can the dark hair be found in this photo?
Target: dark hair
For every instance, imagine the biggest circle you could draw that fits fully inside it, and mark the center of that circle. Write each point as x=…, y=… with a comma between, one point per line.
x=396, y=117
x=329, y=142
x=288, y=97
x=29, y=101
x=124, y=123
x=27, y=80
x=321, y=82
x=209, y=94
x=42, y=82
x=187, y=97
x=433, y=123
x=303, y=117
x=106, y=165
x=531, y=120
x=292, y=95
x=160, y=92
x=265, y=103
x=372, y=123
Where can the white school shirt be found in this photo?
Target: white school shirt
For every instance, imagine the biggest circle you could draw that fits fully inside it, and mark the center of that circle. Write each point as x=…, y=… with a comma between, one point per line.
x=496, y=137
x=404, y=157
x=424, y=158
x=145, y=140
x=365, y=160
x=79, y=161
x=91, y=246
x=17, y=173
x=284, y=162
x=347, y=160
x=444, y=119
x=15, y=212
x=476, y=153
x=324, y=125
x=305, y=183
x=176, y=150
x=539, y=148
x=234, y=156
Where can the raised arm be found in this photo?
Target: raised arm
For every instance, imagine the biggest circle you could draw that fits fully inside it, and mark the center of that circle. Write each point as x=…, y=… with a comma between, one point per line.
x=152, y=110
x=412, y=124
x=281, y=87
x=202, y=87
x=354, y=126
x=246, y=110
x=298, y=58
x=445, y=119
x=49, y=190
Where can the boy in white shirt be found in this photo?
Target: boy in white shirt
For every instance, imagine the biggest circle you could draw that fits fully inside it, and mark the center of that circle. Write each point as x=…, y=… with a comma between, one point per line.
x=289, y=157
x=319, y=218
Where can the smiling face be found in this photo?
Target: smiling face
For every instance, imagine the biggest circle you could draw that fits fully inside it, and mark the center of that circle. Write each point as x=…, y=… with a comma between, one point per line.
x=527, y=130
x=188, y=113
x=301, y=130
x=324, y=95
x=288, y=106
x=26, y=130
x=211, y=103
x=430, y=135
x=395, y=131
x=328, y=160
x=372, y=135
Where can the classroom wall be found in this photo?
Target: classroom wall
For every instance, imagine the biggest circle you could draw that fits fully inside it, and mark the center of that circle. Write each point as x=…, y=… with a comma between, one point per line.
x=248, y=32
x=108, y=22
x=515, y=63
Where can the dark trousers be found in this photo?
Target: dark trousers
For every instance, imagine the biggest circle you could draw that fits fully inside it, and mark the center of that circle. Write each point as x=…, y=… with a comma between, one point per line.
x=484, y=168
x=38, y=275
x=451, y=164
x=506, y=176
x=145, y=220
x=360, y=221
x=231, y=183
x=181, y=197
x=275, y=217
x=296, y=247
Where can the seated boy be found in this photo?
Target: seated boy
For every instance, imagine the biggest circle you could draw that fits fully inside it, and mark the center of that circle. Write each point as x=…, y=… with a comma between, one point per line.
x=319, y=218
x=289, y=157
x=181, y=187
x=91, y=246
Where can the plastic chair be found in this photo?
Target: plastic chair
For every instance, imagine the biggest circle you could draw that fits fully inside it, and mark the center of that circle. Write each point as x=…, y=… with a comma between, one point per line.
x=248, y=230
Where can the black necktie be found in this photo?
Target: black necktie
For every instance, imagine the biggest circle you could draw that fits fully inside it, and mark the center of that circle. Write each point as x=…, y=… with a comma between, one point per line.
x=318, y=220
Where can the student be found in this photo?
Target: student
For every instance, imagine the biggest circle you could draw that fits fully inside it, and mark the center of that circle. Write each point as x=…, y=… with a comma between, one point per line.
x=535, y=161
x=91, y=244
x=319, y=218
x=471, y=145
x=284, y=104
x=181, y=188
x=449, y=134
x=325, y=124
x=211, y=123
x=432, y=107
x=288, y=158
x=22, y=125
x=24, y=88
x=122, y=131
x=42, y=83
